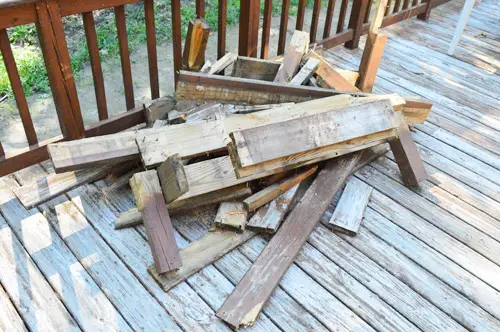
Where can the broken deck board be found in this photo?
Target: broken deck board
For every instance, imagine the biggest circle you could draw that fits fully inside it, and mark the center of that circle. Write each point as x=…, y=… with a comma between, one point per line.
x=306, y=72
x=231, y=215
x=350, y=210
x=150, y=202
x=245, y=303
x=299, y=45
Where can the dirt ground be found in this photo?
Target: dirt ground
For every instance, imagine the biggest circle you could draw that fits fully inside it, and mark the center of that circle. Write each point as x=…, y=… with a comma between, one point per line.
x=42, y=107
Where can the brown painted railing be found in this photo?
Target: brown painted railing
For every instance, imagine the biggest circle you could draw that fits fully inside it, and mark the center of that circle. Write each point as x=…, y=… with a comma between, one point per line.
x=48, y=14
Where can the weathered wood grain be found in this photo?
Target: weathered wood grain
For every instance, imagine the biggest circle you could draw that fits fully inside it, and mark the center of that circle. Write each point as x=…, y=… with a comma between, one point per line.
x=268, y=217
x=201, y=253
x=231, y=215
x=222, y=63
x=327, y=77
x=370, y=61
x=10, y=320
x=172, y=177
x=245, y=303
x=276, y=189
x=306, y=72
x=94, y=151
x=350, y=210
x=254, y=68
x=150, y=202
x=416, y=110
x=299, y=45
x=265, y=143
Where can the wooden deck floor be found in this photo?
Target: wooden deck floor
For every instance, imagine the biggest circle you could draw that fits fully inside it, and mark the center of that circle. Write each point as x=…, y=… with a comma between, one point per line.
x=425, y=259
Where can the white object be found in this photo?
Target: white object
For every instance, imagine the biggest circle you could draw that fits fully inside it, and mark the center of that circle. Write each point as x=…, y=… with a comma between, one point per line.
x=462, y=22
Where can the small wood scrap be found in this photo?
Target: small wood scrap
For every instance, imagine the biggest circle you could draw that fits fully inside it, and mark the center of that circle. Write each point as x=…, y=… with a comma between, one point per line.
x=231, y=215
x=349, y=212
x=327, y=77
x=173, y=178
x=150, y=202
x=299, y=45
x=159, y=109
x=266, y=195
x=306, y=72
x=193, y=57
x=222, y=63
x=254, y=68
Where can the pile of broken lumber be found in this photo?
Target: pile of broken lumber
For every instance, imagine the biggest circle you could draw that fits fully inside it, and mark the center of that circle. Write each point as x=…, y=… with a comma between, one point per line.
x=271, y=144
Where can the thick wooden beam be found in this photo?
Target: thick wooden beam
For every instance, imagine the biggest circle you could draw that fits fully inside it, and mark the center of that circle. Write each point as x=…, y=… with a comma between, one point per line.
x=257, y=69
x=350, y=210
x=173, y=178
x=299, y=45
x=193, y=57
x=246, y=301
x=249, y=28
x=150, y=202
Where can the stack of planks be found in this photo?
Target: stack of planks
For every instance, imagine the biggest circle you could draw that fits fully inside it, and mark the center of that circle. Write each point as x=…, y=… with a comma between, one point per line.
x=271, y=143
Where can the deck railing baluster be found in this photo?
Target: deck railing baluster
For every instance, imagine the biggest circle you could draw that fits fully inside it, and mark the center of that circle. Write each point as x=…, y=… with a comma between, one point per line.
x=285, y=8
x=368, y=10
x=314, y=21
x=200, y=8
x=397, y=4
x=266, y=29
x=95, y=63
x=388, y=8
x=328, y=20
x=17, y=88
x=149, y=14
x=301, y=11
x=342, y=15
x=121, y=29
x=221, y=33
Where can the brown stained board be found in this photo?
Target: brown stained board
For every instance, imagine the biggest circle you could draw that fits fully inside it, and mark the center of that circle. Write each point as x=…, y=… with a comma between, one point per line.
x=150, y=202
x=349, y=212
x=193, y=57
x=101, y=150
x=276, y=189
x=172, y=178
x=257, y=69
x=407, y=157
x=231, y=215
x=246, y=301
x=201, y=253
x=328, y=77
x=298, y=46
x=306, y=72
x=268, y=217
x=133, y=217
x=260, y=144
x=198, y=86
x=370, y=61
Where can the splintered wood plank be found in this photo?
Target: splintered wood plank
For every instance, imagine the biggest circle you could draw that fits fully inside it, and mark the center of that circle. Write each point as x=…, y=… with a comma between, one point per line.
x=187, y=139
x=201, y=253
x=87, y=302
x=254, y=68
x=276, y=189
x=197, y=86
x=94, y=151
x=407, y=157
x=416, y=110
x=231, y=215
x=222, y=63
x=9, y=320
x=261, y=144
x=28, y=290
x=299, y=45
x=133, y=217
x=306, y=72
x=370, y=61
x=193, y=57
x=172, y=178
x=328, y=77
x=268, y=217
x=53, y=185
x=245, y=303
x=150, y=202
x=350, y=210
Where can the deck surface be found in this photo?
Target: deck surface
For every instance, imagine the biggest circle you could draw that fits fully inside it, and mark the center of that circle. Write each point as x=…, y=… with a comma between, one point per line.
x=426, y=258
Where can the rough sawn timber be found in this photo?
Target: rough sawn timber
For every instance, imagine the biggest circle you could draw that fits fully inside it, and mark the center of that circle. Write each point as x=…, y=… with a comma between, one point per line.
x=246, y=301
x=299, y=45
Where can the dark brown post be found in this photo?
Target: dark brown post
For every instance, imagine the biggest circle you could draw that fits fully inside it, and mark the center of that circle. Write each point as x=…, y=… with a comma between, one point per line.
x=57, y=61
x=426, y=15
x=358, y=13
x=176, y=37
x=221, y=33
x=249, y=28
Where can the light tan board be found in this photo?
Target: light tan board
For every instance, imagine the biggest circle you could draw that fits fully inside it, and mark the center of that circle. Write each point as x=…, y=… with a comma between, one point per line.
x=193, y=57
x=201, y=253
x=53, y=185
x=101, y=150
x=306, y=72
x=150, y=202
x=299, y=45
x=222, y=63
x=350, y=210
x=254, y=68
x=328, y=77
x=231, y=215
x=268, y=217
x=265, y=143
x=276, y=189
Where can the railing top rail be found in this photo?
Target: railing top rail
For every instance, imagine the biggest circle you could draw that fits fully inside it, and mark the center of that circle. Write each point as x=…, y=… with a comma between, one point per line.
x=14, y=3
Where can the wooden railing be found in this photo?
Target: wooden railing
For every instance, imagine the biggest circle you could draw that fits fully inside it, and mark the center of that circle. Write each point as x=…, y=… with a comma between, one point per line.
x=48, y=14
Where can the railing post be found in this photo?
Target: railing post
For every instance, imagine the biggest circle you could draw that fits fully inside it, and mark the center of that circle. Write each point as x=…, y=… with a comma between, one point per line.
x=426, y=15
x=176, y=37
x=358, y=13
x=249, y=27
x=57, y=61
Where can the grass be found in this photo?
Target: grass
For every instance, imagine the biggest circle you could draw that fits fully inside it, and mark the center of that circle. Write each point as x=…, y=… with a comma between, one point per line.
x=30, y=62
